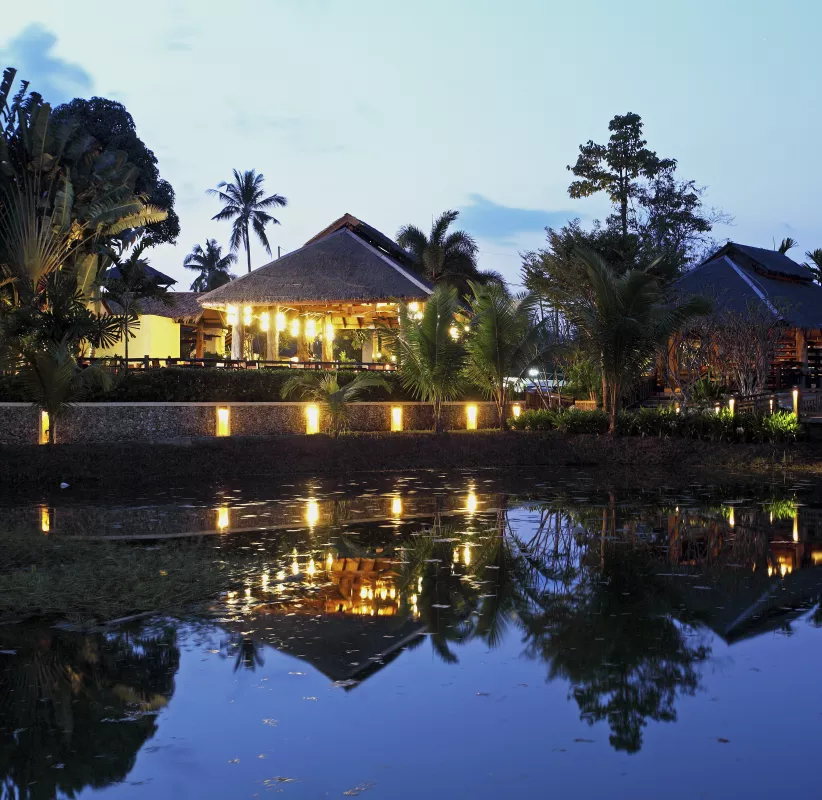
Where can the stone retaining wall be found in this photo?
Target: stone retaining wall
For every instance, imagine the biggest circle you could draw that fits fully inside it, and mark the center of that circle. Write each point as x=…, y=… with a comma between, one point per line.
x=141, y=422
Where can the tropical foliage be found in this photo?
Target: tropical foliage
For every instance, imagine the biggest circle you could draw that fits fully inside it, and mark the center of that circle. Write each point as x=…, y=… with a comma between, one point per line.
x=443, y=256
x=325, y=389
x=505, y=340
x=213, y=266
x=245, y=203
x=430, y=359
x=624, y=322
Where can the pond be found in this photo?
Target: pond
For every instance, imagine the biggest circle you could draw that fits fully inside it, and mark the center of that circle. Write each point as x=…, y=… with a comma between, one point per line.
x=427, y=635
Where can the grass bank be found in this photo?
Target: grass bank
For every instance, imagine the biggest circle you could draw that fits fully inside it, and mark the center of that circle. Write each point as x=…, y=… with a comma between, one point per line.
x=619, y=461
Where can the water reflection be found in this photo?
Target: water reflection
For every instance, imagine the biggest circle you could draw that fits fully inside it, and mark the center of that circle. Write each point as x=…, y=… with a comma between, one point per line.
x=621, y=598
x=75, y=709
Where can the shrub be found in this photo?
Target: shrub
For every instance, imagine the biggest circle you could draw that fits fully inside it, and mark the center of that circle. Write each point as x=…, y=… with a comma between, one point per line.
x=562, y=420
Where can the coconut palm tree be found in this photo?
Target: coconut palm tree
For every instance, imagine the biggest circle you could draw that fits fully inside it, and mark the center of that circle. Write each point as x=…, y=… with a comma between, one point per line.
x=814, y=263
x=444, y=257
x=624, y=322
x=504, y=341
x=325, y=388
x=244, y=202
x=786, y=244
x=430, y=360
x=213, y=266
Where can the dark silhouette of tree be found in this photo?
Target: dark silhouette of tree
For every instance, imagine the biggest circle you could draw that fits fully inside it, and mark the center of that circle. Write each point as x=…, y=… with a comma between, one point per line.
x=213, y=266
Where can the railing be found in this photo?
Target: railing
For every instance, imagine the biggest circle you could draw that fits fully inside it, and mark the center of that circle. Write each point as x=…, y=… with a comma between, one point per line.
x=146, y=362
x=803, y=401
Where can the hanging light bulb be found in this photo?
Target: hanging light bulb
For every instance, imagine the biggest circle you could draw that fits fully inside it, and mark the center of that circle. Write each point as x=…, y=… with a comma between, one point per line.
x=265, y=321
x=310, y=328
x=280, y=322
x=231, y=315
x=454, y=331
x=247, y=316
x=329, y=332
x=295, y=326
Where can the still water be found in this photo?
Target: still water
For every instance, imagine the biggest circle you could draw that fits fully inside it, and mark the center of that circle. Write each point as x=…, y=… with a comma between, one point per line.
x=437, y=636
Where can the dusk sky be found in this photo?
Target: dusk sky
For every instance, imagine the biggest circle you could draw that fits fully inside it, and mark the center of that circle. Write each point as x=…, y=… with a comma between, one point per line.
x=395, y=111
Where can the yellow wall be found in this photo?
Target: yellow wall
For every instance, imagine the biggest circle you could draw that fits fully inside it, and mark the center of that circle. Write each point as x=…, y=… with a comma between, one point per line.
x=156, y=337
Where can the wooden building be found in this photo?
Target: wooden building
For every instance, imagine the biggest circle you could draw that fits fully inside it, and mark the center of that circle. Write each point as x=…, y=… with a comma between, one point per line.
x=348, y=278
x=738, y=277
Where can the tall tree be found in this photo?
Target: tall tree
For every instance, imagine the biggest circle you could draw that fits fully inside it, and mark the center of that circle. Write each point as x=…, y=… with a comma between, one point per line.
x=110, y=124
x=213, y=266
x=444, y=257
x=244, y=202
x=814, y=263
x=616, y=167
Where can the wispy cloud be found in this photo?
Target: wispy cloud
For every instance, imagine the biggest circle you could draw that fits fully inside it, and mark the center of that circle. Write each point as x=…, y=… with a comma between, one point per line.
x=56, y=79
x=502, y=224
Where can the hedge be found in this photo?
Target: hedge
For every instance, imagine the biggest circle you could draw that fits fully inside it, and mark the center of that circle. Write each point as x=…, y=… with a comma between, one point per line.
x=204, y=384
x=706, y=425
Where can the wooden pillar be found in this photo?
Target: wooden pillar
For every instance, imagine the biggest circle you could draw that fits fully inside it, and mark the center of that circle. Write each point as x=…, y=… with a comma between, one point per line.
x=272, y=349
x=199, y=347
x=801, y=356
x=368, y=351
x=302, y=342
x=328, y=342
x=237, y=335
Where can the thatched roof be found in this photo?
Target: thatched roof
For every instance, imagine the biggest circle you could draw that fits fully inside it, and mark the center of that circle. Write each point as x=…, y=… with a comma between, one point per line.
x=185, y=307
x=160, y=278
x=341, y=267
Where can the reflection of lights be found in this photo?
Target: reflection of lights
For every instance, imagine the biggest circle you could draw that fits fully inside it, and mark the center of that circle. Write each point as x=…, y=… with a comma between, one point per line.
x=45, y=519
x=312, y=419
x=783, y=569
x=222, y=518
x=312, y=569
x=280, y=574
x=223, y=421
x=471, y=417
x=419, y=586
x=471, y=502
x=396, y=506
x=770, y=571
x=413, y=599
x=264, y=581
x=466, y=555
x=816, y=558
x=329, y=562
x=731, y=518
x=312, y=513
x=796, y=526
x=396, y=418
x=456, y=556
x=248, y=593
x=295, y=567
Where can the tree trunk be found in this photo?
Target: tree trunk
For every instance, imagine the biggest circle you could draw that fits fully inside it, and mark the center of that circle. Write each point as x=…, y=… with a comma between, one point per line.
x=437, y=406
x=614, y=408
x=500, y=403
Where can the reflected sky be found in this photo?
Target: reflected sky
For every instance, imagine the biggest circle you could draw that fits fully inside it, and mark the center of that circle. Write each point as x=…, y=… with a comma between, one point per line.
x=440, y=636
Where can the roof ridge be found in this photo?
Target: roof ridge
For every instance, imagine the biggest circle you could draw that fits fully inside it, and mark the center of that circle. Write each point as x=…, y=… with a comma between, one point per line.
x=388, y=260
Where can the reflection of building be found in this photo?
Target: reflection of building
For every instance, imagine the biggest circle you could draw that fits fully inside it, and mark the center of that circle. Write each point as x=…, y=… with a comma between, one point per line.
x=349, y=627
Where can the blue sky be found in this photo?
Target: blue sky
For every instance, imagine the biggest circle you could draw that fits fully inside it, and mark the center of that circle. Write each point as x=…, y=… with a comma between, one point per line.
x=395, y=110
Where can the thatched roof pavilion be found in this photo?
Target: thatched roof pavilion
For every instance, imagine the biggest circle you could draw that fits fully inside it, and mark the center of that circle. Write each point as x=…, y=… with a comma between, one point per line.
x=349, y=277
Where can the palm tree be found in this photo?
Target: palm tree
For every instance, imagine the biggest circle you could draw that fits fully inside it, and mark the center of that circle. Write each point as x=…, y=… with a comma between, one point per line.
x=213, y=266
x=325, y=388
x=624, y=323
x=444, y=257
x=504, y=341
x=814, y=263
x=126, y=283
x=786, y=244
x=243, y=202
x=429, y=359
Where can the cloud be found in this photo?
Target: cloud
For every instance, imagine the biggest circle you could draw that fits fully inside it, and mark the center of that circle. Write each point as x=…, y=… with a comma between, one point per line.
x=502, y=224
x=55, y=79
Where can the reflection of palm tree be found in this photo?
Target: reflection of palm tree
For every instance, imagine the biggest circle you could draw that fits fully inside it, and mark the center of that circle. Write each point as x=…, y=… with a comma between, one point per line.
x=247, y=652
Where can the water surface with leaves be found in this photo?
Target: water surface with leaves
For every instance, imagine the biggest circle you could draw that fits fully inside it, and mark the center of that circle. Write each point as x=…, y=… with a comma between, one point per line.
x=428, y=635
